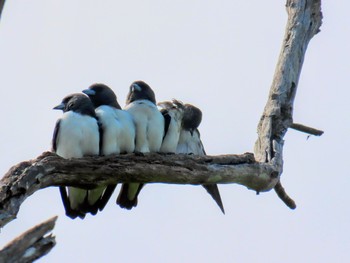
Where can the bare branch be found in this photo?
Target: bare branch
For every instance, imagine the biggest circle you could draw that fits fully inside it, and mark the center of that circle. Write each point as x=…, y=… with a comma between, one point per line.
x=49, y=169
x=284, y=197
x=304, y=21
x=31, y=245
x=303, y=128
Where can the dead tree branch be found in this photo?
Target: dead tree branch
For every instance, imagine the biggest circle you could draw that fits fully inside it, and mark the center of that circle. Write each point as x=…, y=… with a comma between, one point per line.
x=31, y=245
x=49, y=169
x=304, y=21
x=308, y=130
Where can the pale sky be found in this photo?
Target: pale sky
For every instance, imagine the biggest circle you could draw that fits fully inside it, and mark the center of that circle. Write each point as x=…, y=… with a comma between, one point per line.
x=219, y=56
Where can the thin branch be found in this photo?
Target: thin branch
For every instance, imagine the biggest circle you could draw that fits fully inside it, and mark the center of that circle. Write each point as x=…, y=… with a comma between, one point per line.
x=284, y=197
x=308, y=130
x=31, y=245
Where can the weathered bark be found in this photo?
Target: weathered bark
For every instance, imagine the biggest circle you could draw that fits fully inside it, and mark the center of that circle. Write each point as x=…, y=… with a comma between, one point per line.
x=31, y=245
x=304, y=21
x=49, y=169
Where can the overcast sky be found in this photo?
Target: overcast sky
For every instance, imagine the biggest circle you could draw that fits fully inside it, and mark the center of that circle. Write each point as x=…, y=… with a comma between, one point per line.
x=219, y=56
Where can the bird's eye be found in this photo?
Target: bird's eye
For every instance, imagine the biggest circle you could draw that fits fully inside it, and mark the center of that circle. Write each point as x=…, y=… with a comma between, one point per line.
x=70, y=105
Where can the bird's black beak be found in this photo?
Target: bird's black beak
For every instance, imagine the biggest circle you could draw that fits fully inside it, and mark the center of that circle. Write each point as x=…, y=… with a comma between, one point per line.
x=135, y=87
x=59, y=107
x=89, y=92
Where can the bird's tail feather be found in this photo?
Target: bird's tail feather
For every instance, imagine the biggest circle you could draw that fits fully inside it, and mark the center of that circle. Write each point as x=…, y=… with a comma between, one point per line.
x=213, y=190
x=69, y=211
x=86, y=206
x=105, y=197
x=124, y=201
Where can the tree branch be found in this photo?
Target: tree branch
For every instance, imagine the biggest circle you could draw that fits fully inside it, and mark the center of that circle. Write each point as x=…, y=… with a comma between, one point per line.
x=304, y=21
x=303, y=128
x=49, y=169
x=281, y=193
x=31, y=245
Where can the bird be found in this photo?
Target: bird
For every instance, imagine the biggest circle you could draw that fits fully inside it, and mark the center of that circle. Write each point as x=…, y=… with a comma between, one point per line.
x=117, y=124
x=77, y=134
x=149, y=123
x=189, y=141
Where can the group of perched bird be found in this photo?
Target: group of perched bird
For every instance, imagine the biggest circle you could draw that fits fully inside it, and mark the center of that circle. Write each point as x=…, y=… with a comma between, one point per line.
x=93, y=123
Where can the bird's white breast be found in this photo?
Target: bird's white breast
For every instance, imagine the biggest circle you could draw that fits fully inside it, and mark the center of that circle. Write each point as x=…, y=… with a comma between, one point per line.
x=190, y=143
x=118, y=130
x=149, y=125
x=78, y=136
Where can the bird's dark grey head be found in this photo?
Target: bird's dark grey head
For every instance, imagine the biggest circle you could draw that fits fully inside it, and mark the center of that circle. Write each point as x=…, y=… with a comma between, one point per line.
x=140, y=90
x=78, y=103
x=192, y=117
x=101, y=94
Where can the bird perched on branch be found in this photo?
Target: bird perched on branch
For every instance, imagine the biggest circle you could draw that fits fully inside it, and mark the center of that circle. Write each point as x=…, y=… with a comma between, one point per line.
x=149, y=123
x=182, y=122
x=77, y=135
x=117, y=124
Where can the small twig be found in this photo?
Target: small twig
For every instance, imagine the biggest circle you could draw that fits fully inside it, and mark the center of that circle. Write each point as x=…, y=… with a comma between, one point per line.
x=303, y=128
x=284, y=196
x=31, y=245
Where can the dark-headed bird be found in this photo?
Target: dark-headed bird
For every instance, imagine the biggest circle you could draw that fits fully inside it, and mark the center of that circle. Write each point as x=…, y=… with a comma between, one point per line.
x=149, y=123
x=77, y=135
x=117, y=124
x=182, y=122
